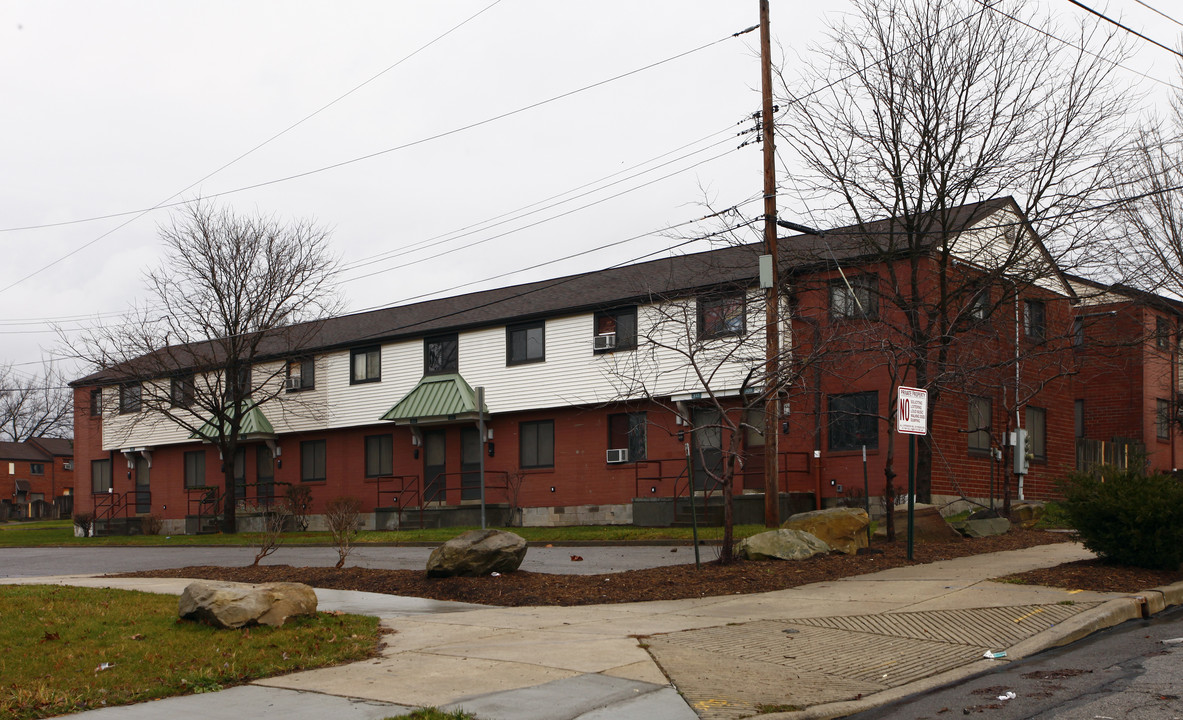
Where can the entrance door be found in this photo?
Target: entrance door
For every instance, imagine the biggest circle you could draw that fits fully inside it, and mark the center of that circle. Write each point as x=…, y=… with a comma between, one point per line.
x=240, y=474
x=470, y=464
x=707, y=450
x=435, y=466
x=753, y=449
x=143, y=492
x=264, y=475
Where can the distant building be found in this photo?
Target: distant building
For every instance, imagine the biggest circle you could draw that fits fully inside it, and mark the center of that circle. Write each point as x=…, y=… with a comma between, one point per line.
x=39, y=474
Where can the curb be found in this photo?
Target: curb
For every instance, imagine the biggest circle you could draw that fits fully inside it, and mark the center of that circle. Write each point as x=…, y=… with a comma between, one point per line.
x=1111, y=613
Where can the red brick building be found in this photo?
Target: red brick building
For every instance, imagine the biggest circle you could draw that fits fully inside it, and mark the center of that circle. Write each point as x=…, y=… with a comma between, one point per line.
x=39, y=475
x=596, y=384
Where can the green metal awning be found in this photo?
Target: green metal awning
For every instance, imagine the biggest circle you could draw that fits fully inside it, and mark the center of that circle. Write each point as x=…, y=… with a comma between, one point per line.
x=254, y=426
x=436, y=399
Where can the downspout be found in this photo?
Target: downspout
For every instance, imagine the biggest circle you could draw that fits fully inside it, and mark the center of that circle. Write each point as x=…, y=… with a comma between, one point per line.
x=1018, y=421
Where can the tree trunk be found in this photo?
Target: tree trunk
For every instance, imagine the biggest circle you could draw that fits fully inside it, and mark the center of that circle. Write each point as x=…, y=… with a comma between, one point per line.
x=229, y=498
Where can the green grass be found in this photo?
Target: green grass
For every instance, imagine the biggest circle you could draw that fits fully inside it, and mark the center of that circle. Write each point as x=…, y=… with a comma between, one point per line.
x=1054, y=518
x=434, y=714
x=61, y=533
x=55, y=640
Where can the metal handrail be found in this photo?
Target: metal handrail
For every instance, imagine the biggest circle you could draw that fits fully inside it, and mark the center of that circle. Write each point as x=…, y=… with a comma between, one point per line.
x=208, y=496
x=108, y=504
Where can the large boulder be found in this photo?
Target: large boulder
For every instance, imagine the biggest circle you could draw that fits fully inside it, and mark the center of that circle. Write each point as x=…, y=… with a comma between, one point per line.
x=1026, y=514
x=929, y=525
x=983, y=527
x=843, y=529
x=233, y=605
x=781, y=545
x=477, y=552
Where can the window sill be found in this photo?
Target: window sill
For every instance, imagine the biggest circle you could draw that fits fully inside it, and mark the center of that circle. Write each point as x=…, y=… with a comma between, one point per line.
x=539, y=470
x=857, y=452
x=366, y=381
x=314, y=482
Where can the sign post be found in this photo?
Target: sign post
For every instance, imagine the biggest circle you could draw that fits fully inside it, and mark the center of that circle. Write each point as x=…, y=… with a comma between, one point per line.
x=911, y=409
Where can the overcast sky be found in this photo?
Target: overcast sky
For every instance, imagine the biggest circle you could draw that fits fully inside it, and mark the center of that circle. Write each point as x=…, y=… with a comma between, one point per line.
x=117, y=107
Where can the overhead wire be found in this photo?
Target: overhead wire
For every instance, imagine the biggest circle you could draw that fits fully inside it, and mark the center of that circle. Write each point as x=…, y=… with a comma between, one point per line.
x=1128, y=29
x=1159, y=12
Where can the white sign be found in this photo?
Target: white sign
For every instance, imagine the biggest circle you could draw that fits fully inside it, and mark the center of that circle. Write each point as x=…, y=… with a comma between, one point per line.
x=911, y=411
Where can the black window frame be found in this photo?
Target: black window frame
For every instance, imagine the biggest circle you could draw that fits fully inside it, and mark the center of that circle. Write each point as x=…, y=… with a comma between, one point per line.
x=96, y=402
x=99, y=483
x=36, y=468
x=130, y=398
x=1078, y=418
x=383, y=447
x=624, y=340
x=517, y=337
x=1035, y=320
x=978, y=436
x=194, y=469
x=980, y=305
x=1162, y=419
x=1077, y=332
x=634, y=434
x=319, y=453
x=721, y=326
x=530, y=431
x=862, y=297
x=861, y=409
x=1037, y=432
x=366, y=351
x=307, y=367
x=182, y=391
x=1162, y=333
x=445, y=360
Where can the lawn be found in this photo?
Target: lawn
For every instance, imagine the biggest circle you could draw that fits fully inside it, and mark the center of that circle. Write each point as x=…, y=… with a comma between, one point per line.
x=61, y=532
x=65, y=649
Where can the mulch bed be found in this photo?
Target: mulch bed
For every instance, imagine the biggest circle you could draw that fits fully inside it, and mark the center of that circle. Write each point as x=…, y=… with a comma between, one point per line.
x=683, y=581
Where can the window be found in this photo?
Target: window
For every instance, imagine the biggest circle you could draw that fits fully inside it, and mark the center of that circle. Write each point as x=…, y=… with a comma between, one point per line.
x=854, y=297
x=1162, y=419
x=301, y=374
x=1078, y=418
x=525, y=343
x=616, y=330
x=96, y=402
x=1037, y=432
x=238, y=383
x=537, y=444
x=37, y=468
x=379, y=455
x=979, y=307
x=1077, y=332
x=441, y=354
x=1162, y=333
x=195, y=469
x=719, y=316
x=626, y=431
x=181, y=391
x=365, y=365
x=100, y=476
x=129, y=398
x=854, y=421
x=1035, y=320
x=753, y=428
x=312, y=461
x=980, y=414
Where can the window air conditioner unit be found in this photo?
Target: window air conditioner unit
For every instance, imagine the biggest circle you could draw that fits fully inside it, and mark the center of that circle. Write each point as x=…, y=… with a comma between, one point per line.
x=67, y=465
x=618, y=456
x=295, y=382
x=606, y=341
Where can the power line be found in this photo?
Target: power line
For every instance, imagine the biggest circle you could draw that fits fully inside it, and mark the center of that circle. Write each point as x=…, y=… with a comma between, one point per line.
x=1128, y=29
x=1158, y=12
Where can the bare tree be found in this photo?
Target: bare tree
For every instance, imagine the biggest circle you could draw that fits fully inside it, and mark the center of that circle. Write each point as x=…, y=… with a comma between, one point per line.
x=231, y=308
x=34, y=405
x=275, y=520
x=918, y=109
x=343, y=519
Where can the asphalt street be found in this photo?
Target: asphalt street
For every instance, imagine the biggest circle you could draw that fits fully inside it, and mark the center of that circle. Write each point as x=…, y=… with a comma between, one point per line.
x=35, y=562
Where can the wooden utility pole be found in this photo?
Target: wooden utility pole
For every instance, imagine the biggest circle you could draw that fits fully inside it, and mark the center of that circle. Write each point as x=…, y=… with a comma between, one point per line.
x=772, y=298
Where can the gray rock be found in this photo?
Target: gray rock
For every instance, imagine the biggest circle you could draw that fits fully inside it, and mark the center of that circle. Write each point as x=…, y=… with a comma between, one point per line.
x=781, y=545
x=843, y=529
x=477, y=552
x=233, y=605
x=984, y=527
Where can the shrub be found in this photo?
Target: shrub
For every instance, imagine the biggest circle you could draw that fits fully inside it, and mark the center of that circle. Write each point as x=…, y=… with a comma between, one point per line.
x=343, y=517
x=84, y=522
x=1127, y=516
x=299, y=500
x=274, y=521
x=151, y=524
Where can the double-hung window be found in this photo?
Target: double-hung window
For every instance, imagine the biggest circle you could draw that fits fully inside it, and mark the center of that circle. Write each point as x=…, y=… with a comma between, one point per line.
x=100, y=476
x=720, y=316
x=615, y=330
x=1037, y=432
x=1035, y=320
x=537, y=444
x=181, y=391
x=854, y=297
x=195, y=469
x=312, y=461
x=979, y=423
x=301, y=374
x=379, y=455
x=441, y=354
x=365, y=365
x=854, y=421
x=626, y=431
x=129, y=398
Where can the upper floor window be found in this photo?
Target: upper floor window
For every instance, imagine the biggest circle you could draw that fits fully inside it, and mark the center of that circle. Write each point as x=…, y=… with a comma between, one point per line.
x=720, y=315
x=979, y=306
x=1162, y=333
x=525, y=343
x=615, y=330
x=1162, y=419
x=36, y=468
x=238, y=383
x=301, y=374
x=854, y=421
x=1035, y=320
x=365, y=365
x=441, y=354
x=96, y=402
x=1078, y=332
x=181, y=391
x=854, y=297
x=1078, y=418
x=979, y=423
x=129, y=398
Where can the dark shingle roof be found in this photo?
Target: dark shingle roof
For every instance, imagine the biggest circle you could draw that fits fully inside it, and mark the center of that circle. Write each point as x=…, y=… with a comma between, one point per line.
x=22, y=451
x=677, y=275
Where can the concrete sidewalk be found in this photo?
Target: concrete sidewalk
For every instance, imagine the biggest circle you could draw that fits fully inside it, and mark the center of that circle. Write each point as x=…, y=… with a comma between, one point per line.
x=822, y=650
